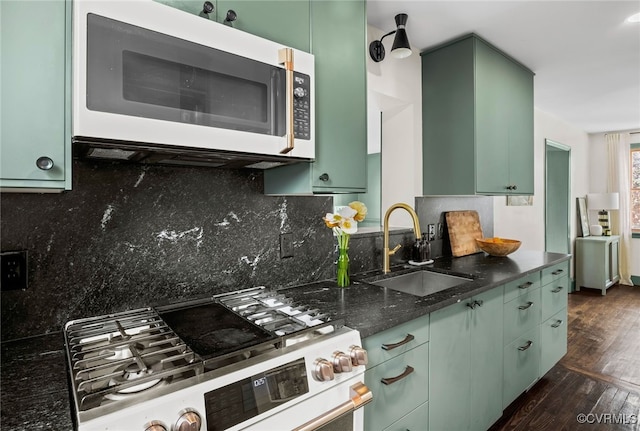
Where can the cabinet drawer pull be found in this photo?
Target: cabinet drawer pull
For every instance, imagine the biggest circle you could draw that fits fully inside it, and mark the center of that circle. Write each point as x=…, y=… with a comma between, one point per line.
x=558, y=323
x=526, y=346
x=526, y=285
x=557, y=289
x=391, y=380
x=407, y=339
x=558, y=271
x=474, y=304
x=524, y=307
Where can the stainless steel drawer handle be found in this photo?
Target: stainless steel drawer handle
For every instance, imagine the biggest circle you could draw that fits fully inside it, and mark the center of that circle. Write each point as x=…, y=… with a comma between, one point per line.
x=407, y=339
x=557, y=289
x=524, y=307
x=391, y=380
x=526, y=285
x=360, y=395
x=558, y=323
x=559, y=271
x=526, y=346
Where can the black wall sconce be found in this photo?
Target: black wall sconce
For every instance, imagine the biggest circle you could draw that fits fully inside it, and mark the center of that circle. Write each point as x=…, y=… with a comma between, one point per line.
x=400, y=48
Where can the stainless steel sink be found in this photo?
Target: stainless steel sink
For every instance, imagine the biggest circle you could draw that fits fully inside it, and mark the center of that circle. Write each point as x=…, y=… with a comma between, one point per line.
x=421, y=283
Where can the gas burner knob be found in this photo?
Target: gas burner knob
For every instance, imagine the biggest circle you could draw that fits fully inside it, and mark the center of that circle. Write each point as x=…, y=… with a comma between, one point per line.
x=323, y=370
x=155, y=426
x=358, y=355
x=189, y=420
x=341, y=362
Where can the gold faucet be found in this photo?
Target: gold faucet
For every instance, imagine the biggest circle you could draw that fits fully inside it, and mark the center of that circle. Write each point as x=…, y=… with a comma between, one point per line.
x=416, y=229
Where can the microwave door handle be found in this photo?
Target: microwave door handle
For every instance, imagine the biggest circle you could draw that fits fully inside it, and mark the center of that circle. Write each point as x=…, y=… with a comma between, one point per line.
x=360, y=395
x=285, y=56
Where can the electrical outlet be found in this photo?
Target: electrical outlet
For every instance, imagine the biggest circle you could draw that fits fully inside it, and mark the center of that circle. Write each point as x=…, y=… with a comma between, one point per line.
x=431, y=232
x=13, y=270
x=286, y=245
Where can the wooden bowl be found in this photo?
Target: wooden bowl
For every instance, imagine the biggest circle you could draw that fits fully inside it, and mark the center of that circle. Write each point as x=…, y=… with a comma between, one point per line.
x=498, y=246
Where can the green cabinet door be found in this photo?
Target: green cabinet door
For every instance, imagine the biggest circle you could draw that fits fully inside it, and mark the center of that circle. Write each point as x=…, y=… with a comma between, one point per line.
x=465, y=364
x=492, y=119
x=191, y=6
x=35, y=94
x=449, y=368
x=282, y=21
x=477, y=107
x=486, y=360
x=338, y=43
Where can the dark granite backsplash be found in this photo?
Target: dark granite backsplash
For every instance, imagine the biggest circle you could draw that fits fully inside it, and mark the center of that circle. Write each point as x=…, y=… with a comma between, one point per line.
x=130, y=236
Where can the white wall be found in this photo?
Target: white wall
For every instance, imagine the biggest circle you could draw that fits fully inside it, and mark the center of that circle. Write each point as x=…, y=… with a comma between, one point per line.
x=394, y=87
x=527, y=222
x=599, y=169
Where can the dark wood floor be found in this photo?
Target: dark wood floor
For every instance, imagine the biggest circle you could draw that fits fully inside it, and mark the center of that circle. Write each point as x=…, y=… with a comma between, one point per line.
x=600, y=375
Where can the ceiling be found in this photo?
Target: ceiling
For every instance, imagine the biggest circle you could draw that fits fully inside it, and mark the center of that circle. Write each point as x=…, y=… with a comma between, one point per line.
x=585, y=56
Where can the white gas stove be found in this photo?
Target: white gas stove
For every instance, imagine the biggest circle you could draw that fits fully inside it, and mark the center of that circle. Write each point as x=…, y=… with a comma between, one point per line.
x=247, y=360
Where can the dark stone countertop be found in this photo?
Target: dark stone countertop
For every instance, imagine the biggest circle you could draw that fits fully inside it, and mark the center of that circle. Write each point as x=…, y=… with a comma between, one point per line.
x=371, y=309
x=33, y=386
x=34, y=389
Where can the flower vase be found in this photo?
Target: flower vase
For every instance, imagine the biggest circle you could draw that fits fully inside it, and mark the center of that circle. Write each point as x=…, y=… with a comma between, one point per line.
x=342, y=272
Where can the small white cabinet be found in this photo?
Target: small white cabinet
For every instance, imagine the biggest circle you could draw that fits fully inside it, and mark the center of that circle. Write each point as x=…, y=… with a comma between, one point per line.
x=597, y=262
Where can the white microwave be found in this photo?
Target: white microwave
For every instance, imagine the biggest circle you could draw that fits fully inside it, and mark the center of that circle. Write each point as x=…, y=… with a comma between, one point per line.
x=155, y=84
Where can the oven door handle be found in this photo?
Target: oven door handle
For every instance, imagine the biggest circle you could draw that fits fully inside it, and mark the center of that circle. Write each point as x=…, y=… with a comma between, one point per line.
x=285, y=57
x=360, y=395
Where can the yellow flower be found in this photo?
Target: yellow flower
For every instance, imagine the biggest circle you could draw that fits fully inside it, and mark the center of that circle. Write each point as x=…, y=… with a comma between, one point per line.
x=332, y=220
x=361, y=210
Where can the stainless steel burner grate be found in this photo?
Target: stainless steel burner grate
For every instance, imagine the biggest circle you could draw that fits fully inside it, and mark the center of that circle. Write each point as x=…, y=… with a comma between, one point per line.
x=119, y=355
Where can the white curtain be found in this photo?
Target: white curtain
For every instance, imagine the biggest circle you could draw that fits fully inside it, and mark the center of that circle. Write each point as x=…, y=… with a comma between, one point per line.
x=619, y=177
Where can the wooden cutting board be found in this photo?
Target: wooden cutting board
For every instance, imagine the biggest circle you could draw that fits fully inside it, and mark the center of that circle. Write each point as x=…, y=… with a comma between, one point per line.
x=464, y=227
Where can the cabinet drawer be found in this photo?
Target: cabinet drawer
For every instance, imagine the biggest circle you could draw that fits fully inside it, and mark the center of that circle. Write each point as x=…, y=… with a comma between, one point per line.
x=394, y=400
x=553, y=341
x=554, y=297
x=521, y=286
x=521, y=365
x=397, y=340
x=521, y=315
x=554, y=272
x=414, y=421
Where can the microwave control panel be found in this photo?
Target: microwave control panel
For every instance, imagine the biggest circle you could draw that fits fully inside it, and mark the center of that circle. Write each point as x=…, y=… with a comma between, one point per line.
x=301, y=106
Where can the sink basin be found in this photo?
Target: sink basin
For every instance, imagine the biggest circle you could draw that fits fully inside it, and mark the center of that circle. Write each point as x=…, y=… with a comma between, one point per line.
x=421, y=283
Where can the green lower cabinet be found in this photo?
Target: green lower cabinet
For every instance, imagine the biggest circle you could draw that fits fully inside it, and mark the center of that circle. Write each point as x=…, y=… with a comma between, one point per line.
x=465, y=365
x=521, y=365
x=414, y=421
x=553, y=341
x=522, y=314
x=399, y=386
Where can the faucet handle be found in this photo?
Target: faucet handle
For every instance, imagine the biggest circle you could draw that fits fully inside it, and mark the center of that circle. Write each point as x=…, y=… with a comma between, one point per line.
x=396, y=248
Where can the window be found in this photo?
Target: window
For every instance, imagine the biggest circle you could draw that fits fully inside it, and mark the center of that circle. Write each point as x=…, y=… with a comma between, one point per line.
x=635, y=188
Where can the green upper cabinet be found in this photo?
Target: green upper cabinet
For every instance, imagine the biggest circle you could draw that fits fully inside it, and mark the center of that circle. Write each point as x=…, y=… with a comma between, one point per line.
x=282, y=21
x=285, y=22
x=35, y=96
x=477, y=121
x=338, y=42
